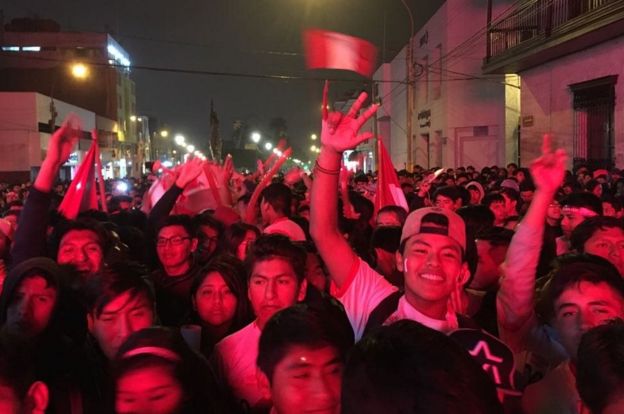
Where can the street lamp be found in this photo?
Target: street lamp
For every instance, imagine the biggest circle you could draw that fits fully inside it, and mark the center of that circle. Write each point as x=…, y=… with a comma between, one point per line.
x=190, y=148
x=179, y=139
x=313, y=137
x=255, y=137
x=79, y=70
x=133, y=118
x=164, y=133
x=268, y=146
x=313, y=148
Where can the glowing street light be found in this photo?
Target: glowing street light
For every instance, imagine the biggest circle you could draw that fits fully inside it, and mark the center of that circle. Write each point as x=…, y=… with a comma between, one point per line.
x=190, y=148
x=164, y=133
x=133, y=118
x=313, y=148
x=255, y=137
x=313, y=137
x=79, y=70
x=179, y=139
x=268, y=146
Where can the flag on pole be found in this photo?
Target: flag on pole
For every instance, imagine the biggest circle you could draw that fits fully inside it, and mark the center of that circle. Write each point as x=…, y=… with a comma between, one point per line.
x=81, y=194
x=332, y=50
x=389, y=190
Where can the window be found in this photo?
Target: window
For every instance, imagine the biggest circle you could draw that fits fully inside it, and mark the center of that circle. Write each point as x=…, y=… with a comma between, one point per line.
x=593, y=104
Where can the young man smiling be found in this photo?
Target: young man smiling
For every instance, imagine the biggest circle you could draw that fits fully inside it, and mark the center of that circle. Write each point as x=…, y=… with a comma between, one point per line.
x=431, y=253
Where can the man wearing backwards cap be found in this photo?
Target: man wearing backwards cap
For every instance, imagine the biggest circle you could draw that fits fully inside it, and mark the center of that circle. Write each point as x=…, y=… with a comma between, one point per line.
x=431, y=253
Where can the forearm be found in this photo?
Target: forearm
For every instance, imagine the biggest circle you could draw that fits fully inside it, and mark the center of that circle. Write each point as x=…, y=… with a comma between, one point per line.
x=46, y=176
x=324, y=196
x=30, y=237
x=164, y=206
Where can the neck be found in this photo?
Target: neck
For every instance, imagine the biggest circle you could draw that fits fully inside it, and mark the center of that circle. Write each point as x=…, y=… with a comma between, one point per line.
x=217, y=332
x=551, y=222
x=178, y=270
x=432, y=309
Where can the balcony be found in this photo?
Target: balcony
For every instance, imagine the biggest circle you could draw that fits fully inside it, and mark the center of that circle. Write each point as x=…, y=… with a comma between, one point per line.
x=541, y=30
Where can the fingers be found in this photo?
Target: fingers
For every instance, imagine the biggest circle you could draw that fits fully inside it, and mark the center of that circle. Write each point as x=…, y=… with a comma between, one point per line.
x=357, y=105
x=365, y=136
x=366, y=115
x=546, y=144
x=333, y=120
x=325, y=93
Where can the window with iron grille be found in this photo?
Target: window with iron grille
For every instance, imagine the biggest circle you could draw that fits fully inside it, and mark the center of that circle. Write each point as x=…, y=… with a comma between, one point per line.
x=593, y=106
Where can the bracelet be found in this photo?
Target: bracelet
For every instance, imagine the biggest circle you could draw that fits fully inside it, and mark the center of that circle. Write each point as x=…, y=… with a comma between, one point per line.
x=318, y=168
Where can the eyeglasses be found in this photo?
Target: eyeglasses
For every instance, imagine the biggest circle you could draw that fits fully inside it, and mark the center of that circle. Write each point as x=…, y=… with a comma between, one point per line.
x=175, y=240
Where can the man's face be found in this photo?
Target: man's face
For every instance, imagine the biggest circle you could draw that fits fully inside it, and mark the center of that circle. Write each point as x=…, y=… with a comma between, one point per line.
x=307, y=380
x=209, y=239
x=608, y=243
x=174, y=246
x=510, y=205
x=570, y=219
x=475, y=195
x=500, y=212
x=387, y=218
x=81, y=248
x=31, y=306
x=607, y=209
x=581, y=307
x=490, y=258
x=120, y=317
x=273, y=286
x=554, y=211
x=526, y=196
x=433, y=268
x=445, y=202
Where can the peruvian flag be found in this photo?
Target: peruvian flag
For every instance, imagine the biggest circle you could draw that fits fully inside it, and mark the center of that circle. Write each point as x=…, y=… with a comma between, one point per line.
x=81, y=194
x=388, y=188
x=331, y=50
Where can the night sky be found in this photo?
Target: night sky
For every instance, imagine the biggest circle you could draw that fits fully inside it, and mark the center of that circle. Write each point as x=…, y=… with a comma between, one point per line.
x=260, y=37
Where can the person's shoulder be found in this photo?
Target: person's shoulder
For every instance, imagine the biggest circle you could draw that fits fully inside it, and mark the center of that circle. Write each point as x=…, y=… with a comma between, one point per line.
x=238, y=338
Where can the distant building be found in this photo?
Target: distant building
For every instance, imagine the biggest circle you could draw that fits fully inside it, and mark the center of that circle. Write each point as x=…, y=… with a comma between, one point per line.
x=458, y=116
x=24, y=137
x=38, y=57
x=568, y=54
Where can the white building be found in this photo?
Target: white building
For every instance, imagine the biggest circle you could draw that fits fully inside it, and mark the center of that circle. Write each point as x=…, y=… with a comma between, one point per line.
x=458, y=116
x=25, y=132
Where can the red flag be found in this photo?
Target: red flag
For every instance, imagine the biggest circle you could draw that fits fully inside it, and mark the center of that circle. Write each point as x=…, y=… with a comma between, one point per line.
x=81, y=194
x=388, y=188
x=331, y=50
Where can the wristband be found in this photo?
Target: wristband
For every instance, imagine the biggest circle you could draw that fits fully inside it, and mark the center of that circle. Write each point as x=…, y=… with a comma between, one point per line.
x=318, y=168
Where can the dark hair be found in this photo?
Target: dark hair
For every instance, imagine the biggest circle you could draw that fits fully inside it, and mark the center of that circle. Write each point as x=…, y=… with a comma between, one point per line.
x=571, y=270
x=449, y=191
x=104, y=239
x=114, y=280
x=17, y=367
x=279, y=196
x=491, y=198
x=477, y=218
x=398, y=211
x=587, y=200
x=600, y=365
x=201, y=392
x=387, y=238
x=409, y=368
x=277, y=246
x=588, y=227
x=207, y=218
x=315, y=325
x=232, y=270
x=179, y=220
x=235, y=234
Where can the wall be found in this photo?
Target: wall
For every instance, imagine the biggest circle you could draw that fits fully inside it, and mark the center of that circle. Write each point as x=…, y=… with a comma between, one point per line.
x=547, y=98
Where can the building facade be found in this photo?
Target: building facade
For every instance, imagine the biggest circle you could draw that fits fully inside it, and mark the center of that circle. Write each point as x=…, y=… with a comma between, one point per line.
x=568, y=55
x=445, y=112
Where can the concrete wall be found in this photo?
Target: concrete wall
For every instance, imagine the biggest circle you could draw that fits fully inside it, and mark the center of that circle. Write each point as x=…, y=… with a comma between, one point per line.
x=547, y=98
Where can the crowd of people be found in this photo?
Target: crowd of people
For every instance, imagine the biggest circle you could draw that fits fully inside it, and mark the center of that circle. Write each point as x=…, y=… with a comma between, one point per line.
x=499, y=291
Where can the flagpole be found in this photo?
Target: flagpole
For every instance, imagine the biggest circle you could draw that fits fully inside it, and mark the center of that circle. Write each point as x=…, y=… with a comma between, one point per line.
x=98, y=168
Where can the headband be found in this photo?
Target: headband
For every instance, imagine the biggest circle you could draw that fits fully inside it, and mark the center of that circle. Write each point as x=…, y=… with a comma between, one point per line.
x=153, y=350
x=583, y=211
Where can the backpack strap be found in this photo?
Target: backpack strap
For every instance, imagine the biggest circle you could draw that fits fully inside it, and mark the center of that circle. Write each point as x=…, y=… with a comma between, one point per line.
x=383, y=311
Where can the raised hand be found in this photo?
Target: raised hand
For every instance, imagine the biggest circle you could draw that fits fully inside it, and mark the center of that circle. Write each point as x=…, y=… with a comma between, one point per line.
x=292, y=176
x=549, y=169
x=63, y=141
x=341, y=132
x=189, y=171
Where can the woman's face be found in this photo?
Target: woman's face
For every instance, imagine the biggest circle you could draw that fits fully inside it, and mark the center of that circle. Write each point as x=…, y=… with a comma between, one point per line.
x=215, y=302
x=148, y=390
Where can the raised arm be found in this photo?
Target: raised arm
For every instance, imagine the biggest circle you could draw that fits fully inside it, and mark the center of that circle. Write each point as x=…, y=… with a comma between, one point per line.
x=516, y=297
x=338, y=133
x=30, y=237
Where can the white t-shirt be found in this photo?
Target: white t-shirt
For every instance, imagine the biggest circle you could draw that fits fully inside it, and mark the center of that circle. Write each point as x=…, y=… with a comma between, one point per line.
x=236, y=355
x=363, y=292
